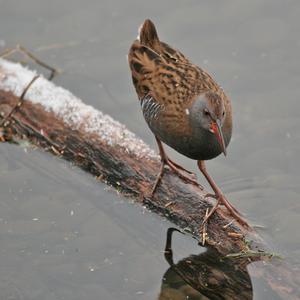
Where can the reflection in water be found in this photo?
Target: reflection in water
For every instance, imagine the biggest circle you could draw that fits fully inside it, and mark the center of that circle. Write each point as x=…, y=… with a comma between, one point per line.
x=204, y=276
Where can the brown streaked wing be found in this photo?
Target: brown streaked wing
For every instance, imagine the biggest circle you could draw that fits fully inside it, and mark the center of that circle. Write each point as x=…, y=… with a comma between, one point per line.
x=170, y=53
x=143, y=63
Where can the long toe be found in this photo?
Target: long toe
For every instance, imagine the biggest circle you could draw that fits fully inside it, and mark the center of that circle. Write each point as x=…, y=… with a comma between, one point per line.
x=182, y=168
x=223, y=202
x=186, y=176
x=233, y=211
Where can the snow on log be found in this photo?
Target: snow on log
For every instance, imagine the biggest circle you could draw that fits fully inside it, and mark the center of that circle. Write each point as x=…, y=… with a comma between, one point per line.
x=57, y=121
x=70, y=109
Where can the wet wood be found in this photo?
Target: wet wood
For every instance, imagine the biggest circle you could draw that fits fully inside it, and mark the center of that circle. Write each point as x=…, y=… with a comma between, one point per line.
x=133, y=176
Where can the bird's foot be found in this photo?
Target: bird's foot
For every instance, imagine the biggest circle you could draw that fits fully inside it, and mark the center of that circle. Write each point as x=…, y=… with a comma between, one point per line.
x=191, y=174
x=178, y=170
x=224, y=203
x=221, y=200
x=182, y=173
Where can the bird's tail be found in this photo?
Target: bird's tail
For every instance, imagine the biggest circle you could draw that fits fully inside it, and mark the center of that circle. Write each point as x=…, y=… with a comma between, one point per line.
x=148, y=35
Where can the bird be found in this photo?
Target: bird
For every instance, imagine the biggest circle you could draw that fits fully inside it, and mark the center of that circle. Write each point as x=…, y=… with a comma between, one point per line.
x=184, y=108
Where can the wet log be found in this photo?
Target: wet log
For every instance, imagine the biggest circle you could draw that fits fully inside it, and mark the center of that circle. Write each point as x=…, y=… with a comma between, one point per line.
x=57, y=121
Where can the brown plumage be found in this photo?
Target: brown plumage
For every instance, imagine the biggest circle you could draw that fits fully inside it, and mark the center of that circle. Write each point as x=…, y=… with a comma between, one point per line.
x=183, y=106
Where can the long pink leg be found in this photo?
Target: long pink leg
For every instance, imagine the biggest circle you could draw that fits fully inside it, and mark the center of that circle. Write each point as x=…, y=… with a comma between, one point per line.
x=221, y=199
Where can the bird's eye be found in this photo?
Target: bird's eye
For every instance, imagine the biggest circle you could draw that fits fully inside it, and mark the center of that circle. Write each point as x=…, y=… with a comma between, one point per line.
x=223, y=114
x=206, y=112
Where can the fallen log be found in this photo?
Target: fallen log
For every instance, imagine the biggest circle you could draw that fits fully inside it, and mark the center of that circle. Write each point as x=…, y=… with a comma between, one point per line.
x=57, y=121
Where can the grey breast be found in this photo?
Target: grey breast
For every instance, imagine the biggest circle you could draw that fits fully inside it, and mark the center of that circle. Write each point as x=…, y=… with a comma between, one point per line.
x=200, y=145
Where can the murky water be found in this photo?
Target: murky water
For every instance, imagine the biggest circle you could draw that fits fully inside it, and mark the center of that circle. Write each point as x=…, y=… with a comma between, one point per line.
x=66, y=236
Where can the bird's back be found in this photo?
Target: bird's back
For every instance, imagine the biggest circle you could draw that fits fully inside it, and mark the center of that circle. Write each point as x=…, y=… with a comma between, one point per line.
x=156, y=65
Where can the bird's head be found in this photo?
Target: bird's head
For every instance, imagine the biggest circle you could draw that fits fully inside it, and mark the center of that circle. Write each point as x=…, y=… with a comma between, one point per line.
x=209, y=111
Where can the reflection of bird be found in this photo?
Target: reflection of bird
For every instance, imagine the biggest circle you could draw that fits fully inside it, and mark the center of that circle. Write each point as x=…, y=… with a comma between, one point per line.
x=183, y=106
x=205, y=276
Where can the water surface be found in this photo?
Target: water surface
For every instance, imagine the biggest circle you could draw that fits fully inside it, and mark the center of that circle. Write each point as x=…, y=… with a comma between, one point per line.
x=65, y=235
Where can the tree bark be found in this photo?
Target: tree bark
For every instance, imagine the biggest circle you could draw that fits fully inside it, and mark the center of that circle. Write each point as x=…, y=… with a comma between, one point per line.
x=56, y=121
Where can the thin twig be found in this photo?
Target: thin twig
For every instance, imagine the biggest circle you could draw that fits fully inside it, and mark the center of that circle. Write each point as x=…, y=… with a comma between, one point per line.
x=23, y=50
x=228, y=224
x=204, y=228
x=5, y=121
